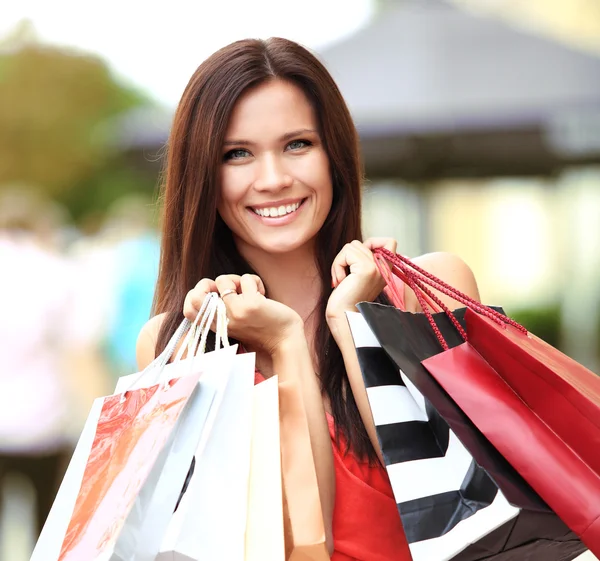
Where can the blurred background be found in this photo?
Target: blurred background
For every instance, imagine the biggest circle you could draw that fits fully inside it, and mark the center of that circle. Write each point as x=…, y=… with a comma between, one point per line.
x=480, y=129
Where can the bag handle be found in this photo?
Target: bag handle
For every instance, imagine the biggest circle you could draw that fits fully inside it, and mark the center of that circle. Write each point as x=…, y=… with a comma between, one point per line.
x=194, y=336
x=195, y=341
x=425, y=297
x=421, y=282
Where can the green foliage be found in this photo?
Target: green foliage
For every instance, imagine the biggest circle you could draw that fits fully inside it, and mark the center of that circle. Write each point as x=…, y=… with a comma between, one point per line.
x=115, y=179
x=543, y=322
x=53, y=105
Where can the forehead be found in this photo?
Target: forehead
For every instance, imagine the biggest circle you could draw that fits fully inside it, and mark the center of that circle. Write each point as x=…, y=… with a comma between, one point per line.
x=276, y=106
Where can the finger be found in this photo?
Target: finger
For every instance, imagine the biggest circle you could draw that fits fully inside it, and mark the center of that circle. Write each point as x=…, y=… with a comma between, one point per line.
x=201, y=290
x=387, y=243
x=338, y=267
x=195, y=298
x=362, y=251
x=349, y=256
x=261, y=286
x=361, y=248
x=251, y=284
x=226, y=283
x=191, y=306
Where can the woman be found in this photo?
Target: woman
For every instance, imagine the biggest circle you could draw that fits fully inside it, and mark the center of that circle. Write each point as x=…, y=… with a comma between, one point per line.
x=262, y=204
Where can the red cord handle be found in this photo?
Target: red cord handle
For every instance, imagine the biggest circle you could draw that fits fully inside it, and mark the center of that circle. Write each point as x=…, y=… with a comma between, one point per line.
x=421, y=292
x=421, y=282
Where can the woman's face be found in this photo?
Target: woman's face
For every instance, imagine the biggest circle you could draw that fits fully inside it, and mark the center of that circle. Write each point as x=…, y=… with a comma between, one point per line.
x=276, y=189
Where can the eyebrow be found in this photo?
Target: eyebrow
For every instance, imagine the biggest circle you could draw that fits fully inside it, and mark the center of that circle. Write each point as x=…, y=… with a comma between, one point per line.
x=286, y=136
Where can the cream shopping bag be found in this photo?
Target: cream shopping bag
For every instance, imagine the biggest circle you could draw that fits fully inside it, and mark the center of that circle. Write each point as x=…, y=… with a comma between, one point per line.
x=264, y=540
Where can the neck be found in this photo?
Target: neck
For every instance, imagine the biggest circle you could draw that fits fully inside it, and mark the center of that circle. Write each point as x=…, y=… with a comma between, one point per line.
x=290, y=278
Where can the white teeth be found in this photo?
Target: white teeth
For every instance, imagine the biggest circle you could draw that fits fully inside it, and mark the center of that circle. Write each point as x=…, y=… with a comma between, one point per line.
x=274, y=212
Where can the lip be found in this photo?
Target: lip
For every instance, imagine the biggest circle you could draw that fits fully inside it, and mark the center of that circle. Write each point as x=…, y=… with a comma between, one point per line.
x=279, y=220
x=275, y=204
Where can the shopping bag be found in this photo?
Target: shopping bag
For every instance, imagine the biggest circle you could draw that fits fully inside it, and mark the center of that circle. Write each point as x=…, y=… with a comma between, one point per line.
x=213, y=370
x=502, y=373
x=134, y=535
x=303, y=518
x=264, y=540
x=553, y=385
x=121, y=453
x=210, y=520
x=458, y=497
x=560, y=393
x=143, y=534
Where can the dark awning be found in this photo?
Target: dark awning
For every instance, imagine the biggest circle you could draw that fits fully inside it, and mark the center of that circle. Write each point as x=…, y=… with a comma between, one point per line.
x=438, y=91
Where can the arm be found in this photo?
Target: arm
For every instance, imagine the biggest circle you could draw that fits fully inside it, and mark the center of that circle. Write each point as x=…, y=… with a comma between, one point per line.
x=340, y=329
x=292, y=362
x=145, y=349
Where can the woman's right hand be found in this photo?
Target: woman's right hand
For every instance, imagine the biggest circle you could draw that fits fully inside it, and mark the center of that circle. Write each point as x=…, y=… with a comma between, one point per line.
x=258, y=322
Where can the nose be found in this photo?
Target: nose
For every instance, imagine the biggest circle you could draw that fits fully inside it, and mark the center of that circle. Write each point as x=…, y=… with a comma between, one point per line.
x=272, y=174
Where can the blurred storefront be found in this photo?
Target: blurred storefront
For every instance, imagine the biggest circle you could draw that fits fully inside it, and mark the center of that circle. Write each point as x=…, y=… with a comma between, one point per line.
x=483, y=138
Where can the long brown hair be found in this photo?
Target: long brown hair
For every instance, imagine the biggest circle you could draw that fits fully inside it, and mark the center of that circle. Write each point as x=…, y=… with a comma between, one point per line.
x=197, y=244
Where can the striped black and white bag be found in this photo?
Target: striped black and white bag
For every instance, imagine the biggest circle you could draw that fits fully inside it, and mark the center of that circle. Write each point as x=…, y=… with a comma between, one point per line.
x=457, y=497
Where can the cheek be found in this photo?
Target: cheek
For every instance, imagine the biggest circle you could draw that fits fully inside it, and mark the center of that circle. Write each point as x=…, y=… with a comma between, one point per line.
x=316, y=173
x=232, y=190
x=328, y=202
x=325, y=182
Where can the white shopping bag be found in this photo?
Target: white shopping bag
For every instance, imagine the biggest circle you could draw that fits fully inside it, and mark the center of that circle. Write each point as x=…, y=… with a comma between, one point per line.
x=210, y=520
x=137, y=533
x=214, y=376
x=118, y=461
x=143, y=531
x=51, y=537
x=219, y=359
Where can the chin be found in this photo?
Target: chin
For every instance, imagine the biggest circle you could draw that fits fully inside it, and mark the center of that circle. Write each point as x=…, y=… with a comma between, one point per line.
x=282, y=247
x=277, y=245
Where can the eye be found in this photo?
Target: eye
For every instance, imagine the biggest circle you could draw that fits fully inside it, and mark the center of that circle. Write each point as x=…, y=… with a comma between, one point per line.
x=298, y=144
x=236, y=154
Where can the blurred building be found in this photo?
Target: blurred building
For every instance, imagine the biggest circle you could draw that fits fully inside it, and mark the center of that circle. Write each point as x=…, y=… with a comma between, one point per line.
x=483, y=138
x=439, y=92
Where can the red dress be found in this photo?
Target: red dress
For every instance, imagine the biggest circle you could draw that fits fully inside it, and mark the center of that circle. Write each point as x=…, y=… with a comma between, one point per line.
x=366, y=523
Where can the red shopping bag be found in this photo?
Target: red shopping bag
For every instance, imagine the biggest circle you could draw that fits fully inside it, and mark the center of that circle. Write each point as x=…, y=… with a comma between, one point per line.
x=562, y=478
x=562, y=392
x=538, y=407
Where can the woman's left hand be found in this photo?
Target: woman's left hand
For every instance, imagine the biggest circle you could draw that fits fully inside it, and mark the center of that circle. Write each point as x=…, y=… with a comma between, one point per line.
x=355, y=276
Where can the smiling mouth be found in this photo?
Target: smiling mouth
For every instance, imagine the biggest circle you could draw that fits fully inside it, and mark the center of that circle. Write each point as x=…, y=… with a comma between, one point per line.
x=279, y=211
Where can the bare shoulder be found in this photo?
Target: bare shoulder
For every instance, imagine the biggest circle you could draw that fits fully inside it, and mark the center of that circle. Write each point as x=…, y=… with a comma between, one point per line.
x=449, y=268
x=445, y=266
x=145, y=350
